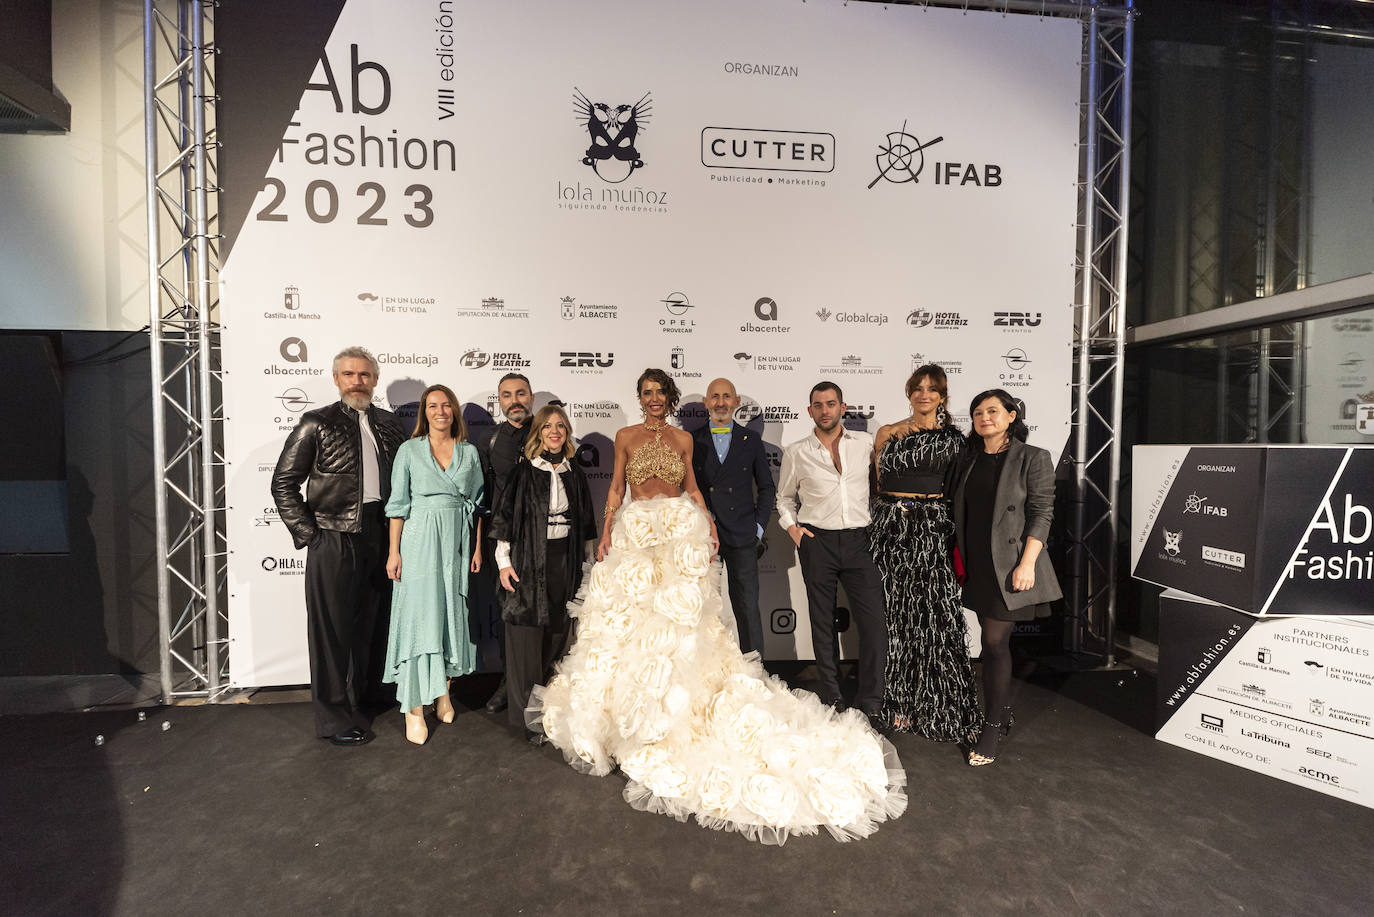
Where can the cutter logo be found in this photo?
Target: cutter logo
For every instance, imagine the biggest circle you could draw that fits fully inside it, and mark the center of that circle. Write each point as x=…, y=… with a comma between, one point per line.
x=613, y=132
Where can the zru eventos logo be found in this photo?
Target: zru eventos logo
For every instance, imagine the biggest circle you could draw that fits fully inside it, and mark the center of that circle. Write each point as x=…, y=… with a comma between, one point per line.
x=613, y=132
x=901, y=158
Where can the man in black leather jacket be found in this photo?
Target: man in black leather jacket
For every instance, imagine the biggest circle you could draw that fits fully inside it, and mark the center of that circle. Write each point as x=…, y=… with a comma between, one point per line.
x=342, y=454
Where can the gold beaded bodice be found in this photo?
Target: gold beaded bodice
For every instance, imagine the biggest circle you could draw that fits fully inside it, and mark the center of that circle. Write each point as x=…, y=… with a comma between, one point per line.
x=655, y=459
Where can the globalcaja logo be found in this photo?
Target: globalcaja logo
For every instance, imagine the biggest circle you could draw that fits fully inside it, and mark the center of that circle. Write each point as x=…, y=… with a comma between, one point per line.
x=613, y=155
x=1018, y=369
x=766, y=310
x=823, y=314
x=750, y=149
x=586, y=362
x=901, y=158
x=291, y=306
x=493, y=307
x=939, y=321
x=390, y=358
x=678, y=306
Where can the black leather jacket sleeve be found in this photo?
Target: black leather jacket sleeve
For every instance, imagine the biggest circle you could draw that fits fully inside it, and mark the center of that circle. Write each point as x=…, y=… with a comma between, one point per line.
x=293, y=468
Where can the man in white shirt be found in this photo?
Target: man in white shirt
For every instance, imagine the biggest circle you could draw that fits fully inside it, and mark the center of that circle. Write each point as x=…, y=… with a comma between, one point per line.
x=823, y=504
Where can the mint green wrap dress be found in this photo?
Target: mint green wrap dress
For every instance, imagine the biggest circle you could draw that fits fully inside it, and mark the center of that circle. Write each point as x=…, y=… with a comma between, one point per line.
x=428, y=638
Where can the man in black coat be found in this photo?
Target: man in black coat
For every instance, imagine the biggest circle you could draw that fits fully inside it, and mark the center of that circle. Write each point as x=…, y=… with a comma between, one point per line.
x=343, y=454
x=500, y=452
x=732, y=471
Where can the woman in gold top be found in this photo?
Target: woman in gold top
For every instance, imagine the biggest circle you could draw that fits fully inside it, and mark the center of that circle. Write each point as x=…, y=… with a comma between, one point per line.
x=656, y=685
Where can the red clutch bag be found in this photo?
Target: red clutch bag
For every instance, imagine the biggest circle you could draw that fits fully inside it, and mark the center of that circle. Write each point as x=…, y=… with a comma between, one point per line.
x=958, y=561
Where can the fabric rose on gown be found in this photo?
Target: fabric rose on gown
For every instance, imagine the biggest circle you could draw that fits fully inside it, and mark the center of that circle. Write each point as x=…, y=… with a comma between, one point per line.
x=601, y=662
x=769, y=798
x=783, y=753
x=692, y=558
x=866, y=763
x=749, y=727
x=680, y=603
x=630, y=711
x=602, y=584
x=652, y=767
x=653, y=675
x=682, y=519
x=638, y=521
x=635, y=575
x=618, y=621
x=658, y=638
x=720, y=792
x=834, y=796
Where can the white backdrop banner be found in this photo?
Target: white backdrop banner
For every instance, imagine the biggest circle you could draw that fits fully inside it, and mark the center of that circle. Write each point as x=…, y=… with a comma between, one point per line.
x=775, y=192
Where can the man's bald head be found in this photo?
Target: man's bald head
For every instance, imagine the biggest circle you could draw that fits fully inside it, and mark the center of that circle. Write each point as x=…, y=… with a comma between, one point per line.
x=721, y=401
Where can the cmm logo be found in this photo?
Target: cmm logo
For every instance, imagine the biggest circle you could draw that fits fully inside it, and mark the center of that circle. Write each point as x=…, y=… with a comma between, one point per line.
x=614, y=134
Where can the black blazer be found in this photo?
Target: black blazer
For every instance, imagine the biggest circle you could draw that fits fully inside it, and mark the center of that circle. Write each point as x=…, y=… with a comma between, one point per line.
x=729, y=489
x=1024, y=509
x=522, y=518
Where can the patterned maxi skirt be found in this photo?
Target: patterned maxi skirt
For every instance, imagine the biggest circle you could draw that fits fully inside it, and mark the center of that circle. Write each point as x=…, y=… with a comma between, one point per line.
x=656, y=685
x=930, y=687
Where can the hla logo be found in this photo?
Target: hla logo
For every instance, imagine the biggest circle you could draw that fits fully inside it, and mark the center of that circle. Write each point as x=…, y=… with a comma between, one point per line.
x=613, y=132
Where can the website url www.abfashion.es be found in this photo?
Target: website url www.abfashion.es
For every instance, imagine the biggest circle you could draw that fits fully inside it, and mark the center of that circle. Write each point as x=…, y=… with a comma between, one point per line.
x=1196, y=672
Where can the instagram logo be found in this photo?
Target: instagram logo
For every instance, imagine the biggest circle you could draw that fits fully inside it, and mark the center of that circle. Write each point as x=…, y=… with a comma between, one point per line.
x=784, y=621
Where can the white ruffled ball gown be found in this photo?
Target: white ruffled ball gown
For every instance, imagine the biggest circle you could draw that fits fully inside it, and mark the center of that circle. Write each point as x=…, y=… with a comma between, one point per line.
x=655, y=683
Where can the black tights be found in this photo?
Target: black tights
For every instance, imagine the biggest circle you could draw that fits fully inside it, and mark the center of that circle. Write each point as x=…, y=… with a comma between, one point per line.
x=996, y=667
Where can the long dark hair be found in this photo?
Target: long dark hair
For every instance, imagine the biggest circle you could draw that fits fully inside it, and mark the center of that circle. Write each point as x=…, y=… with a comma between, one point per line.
x=1017, y=430
x=665, y=381
x=938, y=381
x=459, y=430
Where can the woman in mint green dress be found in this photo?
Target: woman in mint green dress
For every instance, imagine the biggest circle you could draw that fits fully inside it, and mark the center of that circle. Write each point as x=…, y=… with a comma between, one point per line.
x=436, y=485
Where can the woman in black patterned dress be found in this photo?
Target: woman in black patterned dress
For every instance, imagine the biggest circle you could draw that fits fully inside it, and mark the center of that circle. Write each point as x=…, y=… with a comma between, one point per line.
x=929, y=680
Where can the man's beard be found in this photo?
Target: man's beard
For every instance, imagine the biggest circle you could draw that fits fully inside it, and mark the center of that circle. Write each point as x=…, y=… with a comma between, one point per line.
x=356, y=400
x=828, y=428
x=518, y=414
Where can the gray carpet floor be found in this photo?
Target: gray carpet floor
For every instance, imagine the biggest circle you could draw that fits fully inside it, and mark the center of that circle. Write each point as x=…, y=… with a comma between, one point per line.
x=238, y=810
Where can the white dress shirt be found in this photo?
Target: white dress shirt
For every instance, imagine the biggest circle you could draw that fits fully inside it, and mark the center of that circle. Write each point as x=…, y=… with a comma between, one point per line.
x=372, y=474
x=828, y=498
x=558, y=509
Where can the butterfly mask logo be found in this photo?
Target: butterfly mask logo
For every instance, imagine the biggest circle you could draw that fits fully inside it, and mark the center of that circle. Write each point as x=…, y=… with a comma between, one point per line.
x=613, y=131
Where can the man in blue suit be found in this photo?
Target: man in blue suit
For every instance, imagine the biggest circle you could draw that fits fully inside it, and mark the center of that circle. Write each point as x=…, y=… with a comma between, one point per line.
x=732, y=471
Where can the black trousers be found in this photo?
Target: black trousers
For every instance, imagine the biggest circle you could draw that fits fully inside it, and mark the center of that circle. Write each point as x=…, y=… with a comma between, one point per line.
x=346, y=592
x=531, y=651
x=742, y=581
x=832, y=557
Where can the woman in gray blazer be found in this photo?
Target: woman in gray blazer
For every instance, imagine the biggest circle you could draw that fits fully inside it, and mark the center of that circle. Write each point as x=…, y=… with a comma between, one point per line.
x=1003, y=502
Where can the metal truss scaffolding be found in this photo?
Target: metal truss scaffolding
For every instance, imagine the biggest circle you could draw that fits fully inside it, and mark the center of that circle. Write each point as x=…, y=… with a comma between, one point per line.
x=183, y=303
x=184, y=317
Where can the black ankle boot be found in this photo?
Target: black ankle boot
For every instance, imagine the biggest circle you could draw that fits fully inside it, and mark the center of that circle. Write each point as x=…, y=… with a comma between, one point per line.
x=990, y=742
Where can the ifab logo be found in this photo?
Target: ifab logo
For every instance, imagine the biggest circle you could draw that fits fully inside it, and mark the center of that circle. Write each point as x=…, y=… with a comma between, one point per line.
x=293, y=350
x=613, y=132
x=1195, y=503
x=901, y=158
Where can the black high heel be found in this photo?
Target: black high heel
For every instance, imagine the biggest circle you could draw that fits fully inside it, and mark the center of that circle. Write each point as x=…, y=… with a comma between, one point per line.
x=990, y=742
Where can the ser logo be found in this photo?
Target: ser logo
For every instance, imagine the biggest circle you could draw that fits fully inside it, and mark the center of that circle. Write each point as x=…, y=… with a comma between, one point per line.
x=578, y=359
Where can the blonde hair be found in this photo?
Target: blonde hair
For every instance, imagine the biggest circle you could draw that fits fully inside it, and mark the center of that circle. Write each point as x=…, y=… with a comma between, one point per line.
x=459, y=429
x=534, y=443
